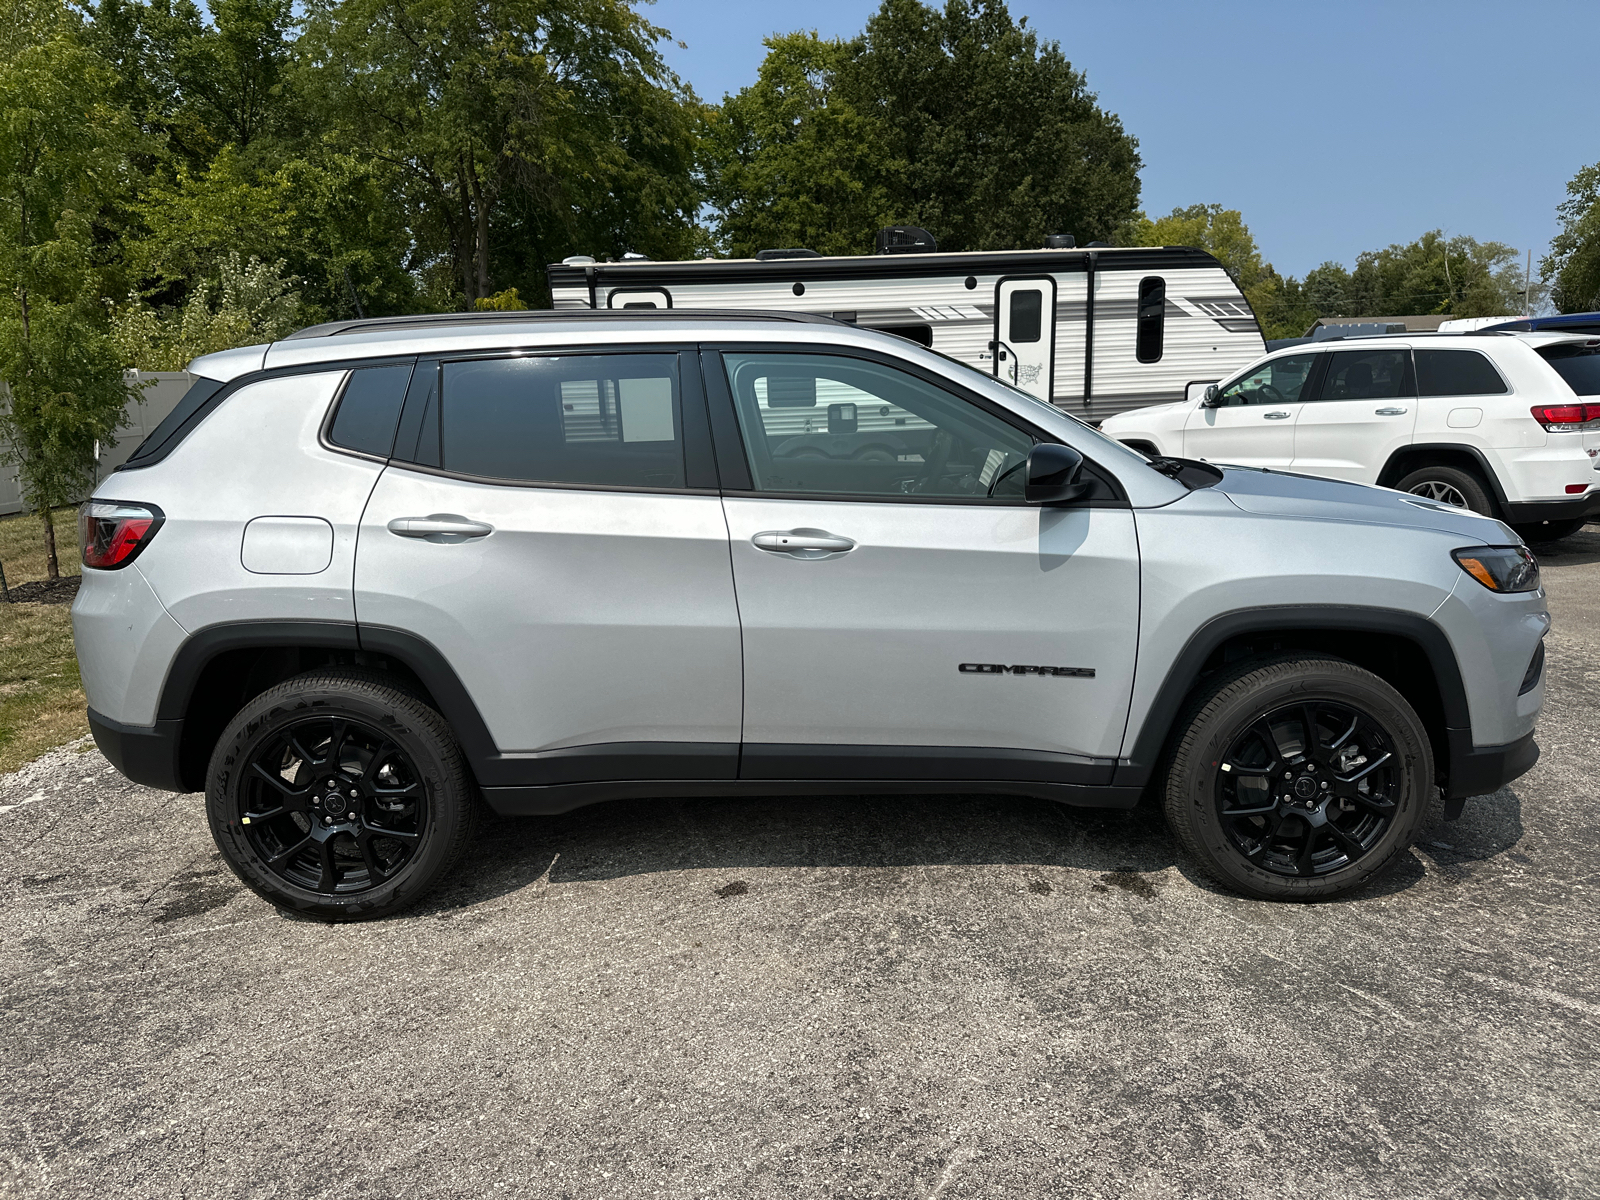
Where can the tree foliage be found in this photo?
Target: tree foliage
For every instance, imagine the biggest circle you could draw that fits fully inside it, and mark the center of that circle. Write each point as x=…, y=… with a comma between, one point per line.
x=959, y=120
x=252, y=302
x=1573, y=265
x=1460, y=276
x=63, y=156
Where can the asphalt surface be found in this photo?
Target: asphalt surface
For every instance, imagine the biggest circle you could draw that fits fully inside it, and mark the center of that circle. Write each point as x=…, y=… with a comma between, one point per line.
x=957, y=997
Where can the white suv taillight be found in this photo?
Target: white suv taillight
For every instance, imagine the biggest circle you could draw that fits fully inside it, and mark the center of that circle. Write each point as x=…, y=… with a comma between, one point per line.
x=112, y=533
x=1565, y=418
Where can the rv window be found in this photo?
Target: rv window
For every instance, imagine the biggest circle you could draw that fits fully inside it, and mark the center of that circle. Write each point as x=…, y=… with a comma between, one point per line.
x=1152, y=319
x=869, y=430
x=609, y=419
x=1027, y=315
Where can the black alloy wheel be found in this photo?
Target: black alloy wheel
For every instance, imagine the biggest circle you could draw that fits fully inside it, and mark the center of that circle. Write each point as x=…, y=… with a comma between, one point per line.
x=1298, y=777
x=332, y=805
x=1309, y=788
x=340, y=795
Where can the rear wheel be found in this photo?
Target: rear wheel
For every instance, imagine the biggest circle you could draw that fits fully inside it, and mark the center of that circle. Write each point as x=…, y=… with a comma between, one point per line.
x=340, y=796
x=1449, y=485
x=1300, y=778
x=1550, y=531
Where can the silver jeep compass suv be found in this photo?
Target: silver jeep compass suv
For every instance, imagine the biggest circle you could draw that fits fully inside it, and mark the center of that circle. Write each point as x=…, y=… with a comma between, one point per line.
x=365, y=577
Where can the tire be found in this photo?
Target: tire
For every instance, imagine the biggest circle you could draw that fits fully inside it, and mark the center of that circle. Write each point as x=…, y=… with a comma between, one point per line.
x=1550, y=531
x=1450, y=485
x=1352, y=836
x=372, y=802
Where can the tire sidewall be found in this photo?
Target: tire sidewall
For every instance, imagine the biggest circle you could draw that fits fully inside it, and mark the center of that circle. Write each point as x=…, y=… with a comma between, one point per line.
x=1472, y=489
x=267, y=716
x=1192, y=784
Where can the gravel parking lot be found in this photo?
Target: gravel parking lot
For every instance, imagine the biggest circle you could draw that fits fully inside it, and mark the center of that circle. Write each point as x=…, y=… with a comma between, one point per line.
x=957, y=997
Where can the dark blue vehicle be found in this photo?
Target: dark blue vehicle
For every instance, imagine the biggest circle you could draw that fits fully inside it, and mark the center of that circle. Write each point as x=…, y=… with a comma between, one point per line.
x=1565, y=323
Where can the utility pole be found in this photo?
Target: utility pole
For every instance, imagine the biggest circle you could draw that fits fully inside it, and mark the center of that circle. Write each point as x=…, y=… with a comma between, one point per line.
x=1527, y=287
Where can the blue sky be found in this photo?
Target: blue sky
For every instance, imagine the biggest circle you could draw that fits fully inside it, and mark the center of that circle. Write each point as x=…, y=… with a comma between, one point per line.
x=1334, y=127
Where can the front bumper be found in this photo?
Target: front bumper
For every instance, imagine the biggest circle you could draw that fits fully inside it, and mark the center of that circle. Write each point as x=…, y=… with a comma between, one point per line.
x=1480, y=770
x=146, y=754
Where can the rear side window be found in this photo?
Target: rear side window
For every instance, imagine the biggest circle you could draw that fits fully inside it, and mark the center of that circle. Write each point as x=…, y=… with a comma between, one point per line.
x=1152, y=319
x=175, y=426
x=611, y=420
x=1578, y=365
x=1457, y=373
x=368, y=409
x=1367, y=375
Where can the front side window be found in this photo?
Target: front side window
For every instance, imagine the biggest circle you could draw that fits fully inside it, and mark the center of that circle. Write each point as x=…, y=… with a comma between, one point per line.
x=1457, y=373
x=816, y=423
x=1279, y=381
x=1367, y=375
x=600, y=419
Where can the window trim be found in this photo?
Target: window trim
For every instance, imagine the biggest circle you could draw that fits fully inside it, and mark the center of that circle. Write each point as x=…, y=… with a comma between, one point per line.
x=729, y=439
x=700, y=477
x=325, y=430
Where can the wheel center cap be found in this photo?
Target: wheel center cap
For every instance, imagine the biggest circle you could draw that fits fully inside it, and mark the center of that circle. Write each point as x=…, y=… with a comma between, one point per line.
x=334, y=804
x=1305, y=787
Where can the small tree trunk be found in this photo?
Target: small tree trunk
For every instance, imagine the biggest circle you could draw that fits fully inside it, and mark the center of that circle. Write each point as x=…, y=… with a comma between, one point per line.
x=482, y=232
x=52, y=566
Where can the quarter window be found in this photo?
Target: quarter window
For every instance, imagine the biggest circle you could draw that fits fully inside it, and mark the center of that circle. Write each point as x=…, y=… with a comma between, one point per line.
x=844, y=426
x=1457, y=373
x=612, y=420
x=1279, y=381
x=369, y=409
x=1368, y=375
x=1152, y=319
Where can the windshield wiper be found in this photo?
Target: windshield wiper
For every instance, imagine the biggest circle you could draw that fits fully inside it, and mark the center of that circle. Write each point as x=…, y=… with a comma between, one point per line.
x=1188, y=471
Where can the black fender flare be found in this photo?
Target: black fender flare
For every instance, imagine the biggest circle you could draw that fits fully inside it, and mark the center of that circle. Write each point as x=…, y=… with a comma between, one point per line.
x=1138, y=766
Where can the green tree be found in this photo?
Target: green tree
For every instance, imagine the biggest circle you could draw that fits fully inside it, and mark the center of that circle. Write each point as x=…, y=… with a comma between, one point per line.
x=252, y=302
x=515, y=130
x=788, y=162
x=1573, y=265
x=1327, y=290
x=957, y=119
x=63, y=153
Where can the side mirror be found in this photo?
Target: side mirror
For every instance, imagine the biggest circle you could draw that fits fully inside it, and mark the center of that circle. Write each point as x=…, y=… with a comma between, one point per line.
x=1210, y=400
x=1053, y=475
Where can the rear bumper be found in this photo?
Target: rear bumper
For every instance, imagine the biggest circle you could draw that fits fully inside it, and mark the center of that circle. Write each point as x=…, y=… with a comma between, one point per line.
x=1479, y=770
x=1531, y=512
x=146, y=754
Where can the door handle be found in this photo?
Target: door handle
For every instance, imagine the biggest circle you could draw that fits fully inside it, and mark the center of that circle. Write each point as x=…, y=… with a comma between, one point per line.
x=439, y=527
x=803, y=543
x=1276, y=416
x=1390, y=412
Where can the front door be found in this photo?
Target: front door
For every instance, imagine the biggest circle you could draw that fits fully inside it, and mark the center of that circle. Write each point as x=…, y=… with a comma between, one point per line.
x=903, y=595
x=537, y=528
x=1251, y=422
x=1364, y=410
x=1025, y=326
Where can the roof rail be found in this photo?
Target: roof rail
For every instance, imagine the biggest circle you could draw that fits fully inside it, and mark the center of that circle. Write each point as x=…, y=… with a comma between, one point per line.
x=430, y=320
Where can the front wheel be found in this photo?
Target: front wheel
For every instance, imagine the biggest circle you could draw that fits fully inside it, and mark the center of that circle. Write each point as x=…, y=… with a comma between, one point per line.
x=338, y=795
x=1300, y=778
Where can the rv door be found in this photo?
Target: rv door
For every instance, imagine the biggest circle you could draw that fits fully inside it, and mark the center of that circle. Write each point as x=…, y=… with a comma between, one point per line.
x=1025, y=333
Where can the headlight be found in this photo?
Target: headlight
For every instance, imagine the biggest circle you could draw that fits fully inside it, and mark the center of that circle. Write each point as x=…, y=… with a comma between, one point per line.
x=1500, y=568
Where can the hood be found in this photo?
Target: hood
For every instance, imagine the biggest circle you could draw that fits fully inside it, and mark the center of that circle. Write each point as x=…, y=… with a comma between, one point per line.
x=1129, y=415
x=1278, y=494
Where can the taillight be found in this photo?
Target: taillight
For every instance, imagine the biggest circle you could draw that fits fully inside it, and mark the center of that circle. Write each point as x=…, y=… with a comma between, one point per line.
x=1564, y=418
x=112, y=533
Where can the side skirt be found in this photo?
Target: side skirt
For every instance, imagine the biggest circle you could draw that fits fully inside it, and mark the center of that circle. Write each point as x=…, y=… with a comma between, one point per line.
x=560, y=798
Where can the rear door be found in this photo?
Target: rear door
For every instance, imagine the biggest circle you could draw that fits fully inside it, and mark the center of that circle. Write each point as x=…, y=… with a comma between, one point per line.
x=1025, y=326
x=1251, y=422
x=1363, y=410
x=908, y=615
x=550, y=525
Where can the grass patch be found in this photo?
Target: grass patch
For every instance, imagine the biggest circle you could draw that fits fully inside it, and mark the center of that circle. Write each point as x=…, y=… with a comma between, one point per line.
x=41, y=695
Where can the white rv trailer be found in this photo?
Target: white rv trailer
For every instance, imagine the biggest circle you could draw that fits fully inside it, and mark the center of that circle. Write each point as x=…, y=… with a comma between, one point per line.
x=1161, y=319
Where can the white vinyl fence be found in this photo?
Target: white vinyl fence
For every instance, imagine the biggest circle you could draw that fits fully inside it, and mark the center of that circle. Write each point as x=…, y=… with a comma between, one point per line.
x=162, y=391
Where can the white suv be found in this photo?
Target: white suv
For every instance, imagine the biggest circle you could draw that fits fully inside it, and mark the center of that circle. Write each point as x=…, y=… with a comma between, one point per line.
x=1504, y=424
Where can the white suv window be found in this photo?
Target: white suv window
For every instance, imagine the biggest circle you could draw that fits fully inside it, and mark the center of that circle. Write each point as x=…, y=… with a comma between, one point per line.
x=1457, y=373
x=1279, y=381
x=1367, y=375
x=847, y=426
